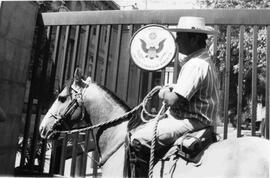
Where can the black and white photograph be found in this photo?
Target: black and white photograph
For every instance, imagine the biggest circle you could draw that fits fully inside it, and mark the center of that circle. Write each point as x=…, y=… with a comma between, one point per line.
x=135, y=88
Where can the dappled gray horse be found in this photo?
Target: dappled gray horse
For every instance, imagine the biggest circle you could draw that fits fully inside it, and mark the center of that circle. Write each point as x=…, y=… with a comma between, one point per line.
x=247, y=157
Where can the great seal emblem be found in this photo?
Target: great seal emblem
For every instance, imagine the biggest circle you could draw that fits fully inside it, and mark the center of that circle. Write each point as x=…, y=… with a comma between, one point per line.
x=152, y=47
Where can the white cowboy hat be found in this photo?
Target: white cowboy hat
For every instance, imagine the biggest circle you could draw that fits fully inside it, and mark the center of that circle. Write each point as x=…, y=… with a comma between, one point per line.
x=194, y=25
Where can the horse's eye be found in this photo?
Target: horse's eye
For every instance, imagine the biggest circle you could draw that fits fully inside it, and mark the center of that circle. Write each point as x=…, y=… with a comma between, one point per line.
x=62, y=99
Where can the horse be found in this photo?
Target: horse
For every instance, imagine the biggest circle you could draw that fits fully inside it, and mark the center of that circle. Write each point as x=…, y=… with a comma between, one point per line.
x=244, y=157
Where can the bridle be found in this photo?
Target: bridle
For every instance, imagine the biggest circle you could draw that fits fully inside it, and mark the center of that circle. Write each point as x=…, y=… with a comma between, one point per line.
x=79, y=102
x=76, y=102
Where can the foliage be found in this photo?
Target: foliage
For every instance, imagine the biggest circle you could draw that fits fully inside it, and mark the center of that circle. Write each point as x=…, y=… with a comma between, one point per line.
x=247, y=53
x=235, y=4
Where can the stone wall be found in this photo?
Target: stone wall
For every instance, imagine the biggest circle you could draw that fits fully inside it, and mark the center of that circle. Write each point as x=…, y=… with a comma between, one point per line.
x=17, y=25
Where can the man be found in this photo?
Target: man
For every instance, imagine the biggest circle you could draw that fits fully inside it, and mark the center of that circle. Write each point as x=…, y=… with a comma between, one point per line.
x=193, y=100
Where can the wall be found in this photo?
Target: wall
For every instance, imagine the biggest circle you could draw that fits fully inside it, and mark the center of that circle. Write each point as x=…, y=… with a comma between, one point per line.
x=17, y=25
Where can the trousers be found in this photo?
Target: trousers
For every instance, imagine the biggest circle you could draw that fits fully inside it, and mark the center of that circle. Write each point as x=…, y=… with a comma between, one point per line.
x=169, y=129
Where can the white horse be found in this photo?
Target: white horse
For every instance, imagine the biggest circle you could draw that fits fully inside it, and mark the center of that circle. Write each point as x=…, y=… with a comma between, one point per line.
x=246, y=157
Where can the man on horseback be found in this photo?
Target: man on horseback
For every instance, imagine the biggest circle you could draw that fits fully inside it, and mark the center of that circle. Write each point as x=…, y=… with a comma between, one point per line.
x=193, y=100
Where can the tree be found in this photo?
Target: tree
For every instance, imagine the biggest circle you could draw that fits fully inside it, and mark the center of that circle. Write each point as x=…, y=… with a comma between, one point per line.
x=234, y=58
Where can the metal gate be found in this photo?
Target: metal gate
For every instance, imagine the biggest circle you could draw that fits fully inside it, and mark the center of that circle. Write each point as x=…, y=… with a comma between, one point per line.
x=98, y=42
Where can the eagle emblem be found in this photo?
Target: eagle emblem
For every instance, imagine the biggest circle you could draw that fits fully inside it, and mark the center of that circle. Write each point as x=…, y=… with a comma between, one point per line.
x=152, y=50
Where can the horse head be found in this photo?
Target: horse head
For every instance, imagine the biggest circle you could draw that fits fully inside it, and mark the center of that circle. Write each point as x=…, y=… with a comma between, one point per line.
x=82, y=98
x=68, y=110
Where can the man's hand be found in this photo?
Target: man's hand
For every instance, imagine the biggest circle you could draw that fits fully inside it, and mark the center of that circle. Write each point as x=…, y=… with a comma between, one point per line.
x=162, y=92
x=169, y=97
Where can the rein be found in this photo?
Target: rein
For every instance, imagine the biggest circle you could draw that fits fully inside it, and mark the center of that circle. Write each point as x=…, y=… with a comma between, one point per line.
x=75, y=104
x=122, y=118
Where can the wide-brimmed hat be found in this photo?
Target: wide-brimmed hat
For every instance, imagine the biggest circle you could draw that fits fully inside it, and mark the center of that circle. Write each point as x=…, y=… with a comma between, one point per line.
x=193, y=25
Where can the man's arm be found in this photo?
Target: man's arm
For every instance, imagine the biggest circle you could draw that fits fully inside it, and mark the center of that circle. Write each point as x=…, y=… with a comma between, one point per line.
x=172, y=98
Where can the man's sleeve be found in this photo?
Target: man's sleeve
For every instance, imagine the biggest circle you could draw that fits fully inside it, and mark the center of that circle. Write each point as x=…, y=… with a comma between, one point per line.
x=190, y=78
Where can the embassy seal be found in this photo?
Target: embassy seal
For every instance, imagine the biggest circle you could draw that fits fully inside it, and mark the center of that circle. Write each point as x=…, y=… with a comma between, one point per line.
x=152, y=47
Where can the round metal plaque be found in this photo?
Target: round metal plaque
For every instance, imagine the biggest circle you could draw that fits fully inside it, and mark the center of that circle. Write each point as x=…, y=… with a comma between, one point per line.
x=152, y=47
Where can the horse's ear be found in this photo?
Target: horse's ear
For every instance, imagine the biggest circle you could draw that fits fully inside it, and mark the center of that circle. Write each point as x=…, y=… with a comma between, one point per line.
x=78, y=74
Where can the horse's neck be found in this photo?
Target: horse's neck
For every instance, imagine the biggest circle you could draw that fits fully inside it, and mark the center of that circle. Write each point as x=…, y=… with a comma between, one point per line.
x=111, y=140
x=102, y=110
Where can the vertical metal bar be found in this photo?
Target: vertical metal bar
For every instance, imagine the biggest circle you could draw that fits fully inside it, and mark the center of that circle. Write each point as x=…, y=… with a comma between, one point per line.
x=227, y=81
x=55, y=57
x=85, y=47
x=65, y=55
x=267, y=99
x=139, y=84
x=75, y=51
x=135, y=86
x=53, y=157
x=96, y=53
x=117, y=56
x=35, y=136
x=107, y=52
x=240, y=80
x=27, y=125
x=84, y=159
x=162, y=79
x=130, y=32
x=150, y=81
x=254, y=80
x=215, y=62
x=44, y=73
x=176, y=64
x=176, y=67
x=215, y=46
x=74, y=154
x=95, y=166
x=43, y=154
x=162, y=82
x=63, y=155
x=138, y=79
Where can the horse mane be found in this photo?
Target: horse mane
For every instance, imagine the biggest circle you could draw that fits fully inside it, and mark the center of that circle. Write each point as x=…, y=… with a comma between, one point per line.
x=133, y=121
x=134, y=118
x=106, y=90
x=115, y=98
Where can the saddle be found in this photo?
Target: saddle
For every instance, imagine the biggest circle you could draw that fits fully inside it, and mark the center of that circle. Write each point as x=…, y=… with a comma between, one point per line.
x=187, y=147
x=190, y=145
